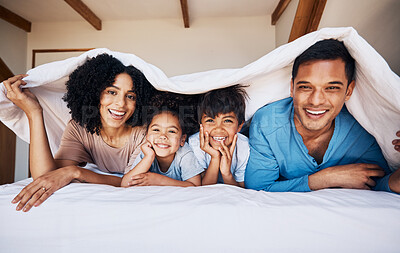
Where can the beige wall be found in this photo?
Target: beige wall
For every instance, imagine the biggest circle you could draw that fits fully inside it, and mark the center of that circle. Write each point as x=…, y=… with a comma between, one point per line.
x=208, y=44
x=377, y=21
x=13, y=47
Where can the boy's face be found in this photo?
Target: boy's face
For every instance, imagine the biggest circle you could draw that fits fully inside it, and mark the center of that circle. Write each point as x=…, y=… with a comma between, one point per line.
x=222, y=128
x=165, y=135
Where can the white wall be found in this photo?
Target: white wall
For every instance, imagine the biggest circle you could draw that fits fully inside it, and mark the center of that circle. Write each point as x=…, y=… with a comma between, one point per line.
x=208, y=44
x=13, y=46
x=377, y=21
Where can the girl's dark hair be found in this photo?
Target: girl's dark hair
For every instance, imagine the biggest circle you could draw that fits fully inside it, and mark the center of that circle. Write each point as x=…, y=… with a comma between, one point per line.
x=179, y=105
x=224, y=100
x=89, y=80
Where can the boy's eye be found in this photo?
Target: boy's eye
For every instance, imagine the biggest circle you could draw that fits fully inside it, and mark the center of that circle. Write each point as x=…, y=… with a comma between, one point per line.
x=209, y=120
x=228, y=121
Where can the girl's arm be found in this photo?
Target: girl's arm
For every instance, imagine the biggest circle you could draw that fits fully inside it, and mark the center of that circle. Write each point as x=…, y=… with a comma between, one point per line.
x=150, y=178
x=142, y=167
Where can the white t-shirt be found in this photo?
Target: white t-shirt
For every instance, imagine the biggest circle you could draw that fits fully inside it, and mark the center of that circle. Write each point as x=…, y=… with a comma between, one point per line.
x=239, y=158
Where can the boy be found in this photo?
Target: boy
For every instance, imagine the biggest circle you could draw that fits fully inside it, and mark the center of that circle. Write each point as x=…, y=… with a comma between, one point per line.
x=219, y=147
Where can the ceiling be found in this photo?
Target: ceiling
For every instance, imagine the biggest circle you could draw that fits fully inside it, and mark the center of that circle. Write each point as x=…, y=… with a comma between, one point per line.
x=108, y=10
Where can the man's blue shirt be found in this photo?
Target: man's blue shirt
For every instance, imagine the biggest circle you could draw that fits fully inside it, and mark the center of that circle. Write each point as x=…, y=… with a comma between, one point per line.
x=279, y=160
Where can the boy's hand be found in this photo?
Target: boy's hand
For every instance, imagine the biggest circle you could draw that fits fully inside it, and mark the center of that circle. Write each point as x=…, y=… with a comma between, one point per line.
x=226, y=159
x=147, y=149
x=205, y=144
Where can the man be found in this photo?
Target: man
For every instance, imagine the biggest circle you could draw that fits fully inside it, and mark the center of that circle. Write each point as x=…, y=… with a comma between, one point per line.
x=310, y=141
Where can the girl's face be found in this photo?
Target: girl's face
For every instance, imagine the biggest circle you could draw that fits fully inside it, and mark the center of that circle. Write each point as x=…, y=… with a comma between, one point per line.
x=165, y=135
x=117, y=102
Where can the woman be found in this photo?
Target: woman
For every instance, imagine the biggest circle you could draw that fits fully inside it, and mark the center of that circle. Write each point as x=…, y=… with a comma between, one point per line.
x=103, y=96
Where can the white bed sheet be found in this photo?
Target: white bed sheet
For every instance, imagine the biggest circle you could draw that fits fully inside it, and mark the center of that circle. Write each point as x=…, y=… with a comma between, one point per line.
x=218, y=218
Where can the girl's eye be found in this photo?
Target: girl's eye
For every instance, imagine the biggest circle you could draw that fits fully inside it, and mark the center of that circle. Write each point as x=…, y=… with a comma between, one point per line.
x=172, y=131
x=155, y=130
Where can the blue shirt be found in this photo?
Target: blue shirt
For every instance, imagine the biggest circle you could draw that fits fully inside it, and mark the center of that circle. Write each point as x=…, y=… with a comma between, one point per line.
x=183, y=167
x=279, y=160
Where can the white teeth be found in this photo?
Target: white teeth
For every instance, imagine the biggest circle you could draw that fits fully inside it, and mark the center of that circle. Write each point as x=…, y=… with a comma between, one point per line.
x=315, y=112
x=219, y=138
x=162, y=145
x=117, y=112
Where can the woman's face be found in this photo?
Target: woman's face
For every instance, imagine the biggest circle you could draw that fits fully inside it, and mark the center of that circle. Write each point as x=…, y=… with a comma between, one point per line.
x=117, y=102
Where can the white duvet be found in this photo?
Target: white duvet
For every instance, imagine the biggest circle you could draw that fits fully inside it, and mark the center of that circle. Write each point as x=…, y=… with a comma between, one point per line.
x=218, y=218
x=375, y=102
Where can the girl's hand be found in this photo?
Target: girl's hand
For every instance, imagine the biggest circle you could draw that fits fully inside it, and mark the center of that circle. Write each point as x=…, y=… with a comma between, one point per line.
x=21, y=97
x=146, y=179
x=147, y=149
x=205, y=144
x=226, y=159
x=43, y=187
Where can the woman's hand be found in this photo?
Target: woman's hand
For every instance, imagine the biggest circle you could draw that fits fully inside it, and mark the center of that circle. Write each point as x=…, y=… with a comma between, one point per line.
x=21, y=97
x=43, y=187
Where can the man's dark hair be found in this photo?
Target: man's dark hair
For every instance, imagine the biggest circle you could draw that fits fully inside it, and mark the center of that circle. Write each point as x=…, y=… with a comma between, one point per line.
x=225, y=100
x=181, y=106
x=89, y=80
x=329, y=49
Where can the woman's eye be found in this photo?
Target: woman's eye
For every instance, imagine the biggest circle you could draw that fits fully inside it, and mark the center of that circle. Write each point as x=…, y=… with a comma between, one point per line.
x=131, y=97
x=111, y=92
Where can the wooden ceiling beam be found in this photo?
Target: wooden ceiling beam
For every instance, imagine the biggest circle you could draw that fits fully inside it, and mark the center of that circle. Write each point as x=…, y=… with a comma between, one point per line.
x=308, y=16
x=280, y=8
x=185, y=13
x=85, y=12
x=15, y=19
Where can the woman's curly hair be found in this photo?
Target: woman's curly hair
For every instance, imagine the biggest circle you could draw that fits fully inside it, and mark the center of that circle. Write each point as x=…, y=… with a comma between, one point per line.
x=184, y=107
x=88, y=81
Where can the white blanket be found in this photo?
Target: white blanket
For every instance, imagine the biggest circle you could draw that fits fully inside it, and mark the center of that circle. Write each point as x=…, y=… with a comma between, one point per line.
x=375, y=102
x=217, y=218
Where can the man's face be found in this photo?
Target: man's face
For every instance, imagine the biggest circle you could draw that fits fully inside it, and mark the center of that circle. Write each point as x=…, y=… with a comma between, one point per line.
x=319, y=92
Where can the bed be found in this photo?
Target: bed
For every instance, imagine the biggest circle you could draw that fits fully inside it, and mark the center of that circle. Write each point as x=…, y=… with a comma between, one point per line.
x=219, y=218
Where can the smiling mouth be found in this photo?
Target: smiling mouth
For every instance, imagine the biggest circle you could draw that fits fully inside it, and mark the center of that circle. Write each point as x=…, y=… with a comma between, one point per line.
x=116, y=114
x=316, y=113
x=219, y=139
x=159, y=145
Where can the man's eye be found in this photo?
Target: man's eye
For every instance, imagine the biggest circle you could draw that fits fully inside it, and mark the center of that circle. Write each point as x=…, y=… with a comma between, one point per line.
x=333, y=88
x=304, y=87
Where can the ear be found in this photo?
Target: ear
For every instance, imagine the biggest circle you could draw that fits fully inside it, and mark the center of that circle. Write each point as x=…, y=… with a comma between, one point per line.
x=291, y=87
x=183, y=139
x=240, y=127
x=350, y=89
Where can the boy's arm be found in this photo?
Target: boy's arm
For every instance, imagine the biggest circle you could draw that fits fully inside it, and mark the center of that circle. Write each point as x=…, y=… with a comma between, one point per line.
x=211, y=174
x=150, y=178
x=226, y=163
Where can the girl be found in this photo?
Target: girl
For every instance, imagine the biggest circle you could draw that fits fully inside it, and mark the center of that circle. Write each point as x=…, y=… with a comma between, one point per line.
x=166, y=159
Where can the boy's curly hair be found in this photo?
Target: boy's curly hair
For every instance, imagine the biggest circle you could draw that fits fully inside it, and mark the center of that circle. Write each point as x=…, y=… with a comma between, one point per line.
x=180, y=105
x=88, y=81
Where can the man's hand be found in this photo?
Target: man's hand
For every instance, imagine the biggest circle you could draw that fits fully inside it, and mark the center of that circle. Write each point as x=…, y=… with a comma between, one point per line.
x=351, y=176
x=43, y=187
x=205, y=144
x=396, y=142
